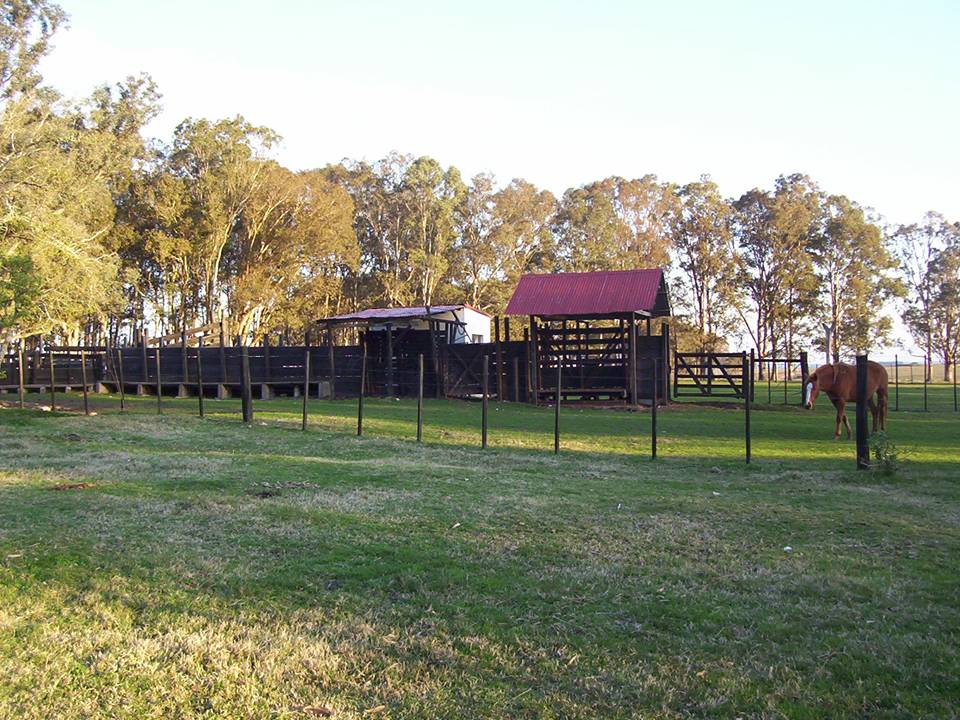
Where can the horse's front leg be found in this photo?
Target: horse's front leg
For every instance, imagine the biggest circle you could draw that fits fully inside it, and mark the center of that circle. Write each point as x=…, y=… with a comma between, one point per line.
x=838, y=404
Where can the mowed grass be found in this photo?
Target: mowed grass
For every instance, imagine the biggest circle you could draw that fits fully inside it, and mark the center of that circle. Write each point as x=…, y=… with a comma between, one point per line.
x=209, y=569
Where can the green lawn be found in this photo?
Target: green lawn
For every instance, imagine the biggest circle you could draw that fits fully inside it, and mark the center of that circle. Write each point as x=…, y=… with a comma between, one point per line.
x=209, y=569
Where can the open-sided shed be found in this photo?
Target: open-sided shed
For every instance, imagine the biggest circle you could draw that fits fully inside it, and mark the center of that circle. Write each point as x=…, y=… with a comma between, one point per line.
x=395, y=337
x=597, y=328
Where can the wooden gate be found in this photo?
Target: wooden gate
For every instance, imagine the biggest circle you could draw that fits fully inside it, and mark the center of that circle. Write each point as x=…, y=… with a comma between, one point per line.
x=708, y=375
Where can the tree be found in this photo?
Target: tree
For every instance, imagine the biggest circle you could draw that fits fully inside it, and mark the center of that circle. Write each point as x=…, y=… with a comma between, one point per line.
x=502, y=234
x=294, y=242
x=616, y=224
x=774, y=232
x=705, y=256
x=26, y=28
x=853, y=263
x=945, y=304
x=918, y=246
x=430, y=197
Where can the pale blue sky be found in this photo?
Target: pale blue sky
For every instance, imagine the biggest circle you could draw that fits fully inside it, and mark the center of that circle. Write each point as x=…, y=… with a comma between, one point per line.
x=860, y=95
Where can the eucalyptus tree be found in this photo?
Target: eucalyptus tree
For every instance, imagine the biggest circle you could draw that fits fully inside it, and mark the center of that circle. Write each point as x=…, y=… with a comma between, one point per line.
x=918, y=246
x=945, y=304
x=616, y=224
x=774, y=231
x=855, y=269
x=708, y=264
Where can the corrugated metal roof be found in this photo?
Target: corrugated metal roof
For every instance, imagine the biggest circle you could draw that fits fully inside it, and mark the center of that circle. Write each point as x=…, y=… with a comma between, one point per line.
x=399, y=313
x=610, y=292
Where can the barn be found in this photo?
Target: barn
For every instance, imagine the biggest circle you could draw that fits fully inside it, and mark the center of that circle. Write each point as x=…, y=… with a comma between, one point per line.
x=595, y=330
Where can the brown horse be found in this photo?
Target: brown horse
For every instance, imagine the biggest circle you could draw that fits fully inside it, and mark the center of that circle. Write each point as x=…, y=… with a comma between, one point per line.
x=839, y=383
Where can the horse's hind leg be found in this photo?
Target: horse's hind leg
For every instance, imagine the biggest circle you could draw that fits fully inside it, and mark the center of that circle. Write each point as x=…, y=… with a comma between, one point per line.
x=846, y=424
x=874, y=412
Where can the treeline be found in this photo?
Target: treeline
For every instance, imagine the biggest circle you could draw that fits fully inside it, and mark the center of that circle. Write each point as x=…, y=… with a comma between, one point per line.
x=106, y=232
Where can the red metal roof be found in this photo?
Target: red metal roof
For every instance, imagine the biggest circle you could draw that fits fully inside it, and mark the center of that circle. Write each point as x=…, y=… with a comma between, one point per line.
x=400, y=313
x=595, y=294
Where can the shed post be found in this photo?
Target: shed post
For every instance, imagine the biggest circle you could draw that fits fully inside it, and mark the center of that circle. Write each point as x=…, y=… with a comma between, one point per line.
x=534, y=362
x=363, y=378
x=556, y=408
x=506, y=329
x=665, y=375
x=863, y=451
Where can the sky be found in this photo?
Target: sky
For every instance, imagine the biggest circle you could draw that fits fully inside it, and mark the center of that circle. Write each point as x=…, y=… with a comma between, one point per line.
x=861, y=96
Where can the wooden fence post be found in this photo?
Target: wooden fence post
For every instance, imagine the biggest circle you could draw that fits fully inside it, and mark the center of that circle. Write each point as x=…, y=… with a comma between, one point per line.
x=199, y=376
x=955, y=381
x=223, y=355
x=53, y=381
x=483, y=412
x=306, y=384
x=746, y=379
x=363, y=378
x=123, y=396
x=144, y=361
x=499, y=361
x=863, y=451
x=804, y=374
x=20, y=387
x=159, y=383
x=632, y=364
x=896, y=381
x=653, y=410
x=83, y=380
x=246, y=394
x=183, y=350
x=420, y=401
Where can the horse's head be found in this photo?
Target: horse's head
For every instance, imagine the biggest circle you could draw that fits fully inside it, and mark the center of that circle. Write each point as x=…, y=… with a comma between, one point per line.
x=819, y=379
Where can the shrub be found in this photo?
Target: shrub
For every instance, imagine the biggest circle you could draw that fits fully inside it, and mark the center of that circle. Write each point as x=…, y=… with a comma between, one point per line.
x=885, y=454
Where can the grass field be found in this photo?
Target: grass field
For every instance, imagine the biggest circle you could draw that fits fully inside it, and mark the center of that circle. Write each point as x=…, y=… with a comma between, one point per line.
x=208, y=569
